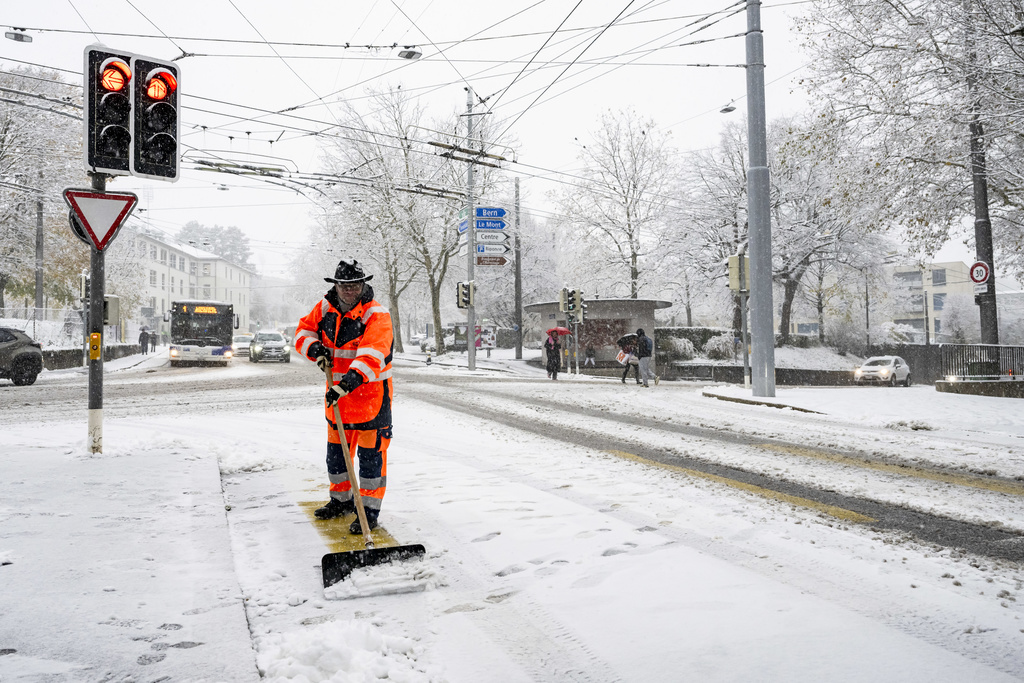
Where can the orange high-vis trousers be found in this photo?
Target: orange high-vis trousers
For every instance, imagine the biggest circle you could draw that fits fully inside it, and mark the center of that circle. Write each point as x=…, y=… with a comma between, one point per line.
x=371, y=447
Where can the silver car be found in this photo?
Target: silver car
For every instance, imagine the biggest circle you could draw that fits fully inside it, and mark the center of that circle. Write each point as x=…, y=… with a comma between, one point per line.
x=269, y=346
x=891, y=370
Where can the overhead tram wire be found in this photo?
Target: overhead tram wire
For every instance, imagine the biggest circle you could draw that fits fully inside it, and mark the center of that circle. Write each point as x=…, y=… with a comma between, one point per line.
x=705, y=18
x=347, y=46
x=507, y=128
x=84, y=21
x=153, y=24
x=534, y=55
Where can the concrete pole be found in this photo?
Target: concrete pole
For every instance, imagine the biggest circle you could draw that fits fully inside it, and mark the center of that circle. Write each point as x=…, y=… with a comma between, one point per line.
x=519, y=283
x=471, y=240
x=759, y=220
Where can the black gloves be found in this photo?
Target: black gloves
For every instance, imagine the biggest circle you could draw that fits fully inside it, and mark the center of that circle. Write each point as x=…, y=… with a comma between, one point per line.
x=319, y=353
x=349, y=383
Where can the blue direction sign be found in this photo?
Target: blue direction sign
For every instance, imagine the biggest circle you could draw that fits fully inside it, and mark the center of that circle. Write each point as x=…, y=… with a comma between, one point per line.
x=464, y=225
x=490, y=212
x=489, y=224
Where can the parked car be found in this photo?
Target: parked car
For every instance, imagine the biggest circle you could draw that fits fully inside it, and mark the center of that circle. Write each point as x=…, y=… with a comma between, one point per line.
x=240, y=344
x=883, y=370
x=21, y=358
x=269, y=346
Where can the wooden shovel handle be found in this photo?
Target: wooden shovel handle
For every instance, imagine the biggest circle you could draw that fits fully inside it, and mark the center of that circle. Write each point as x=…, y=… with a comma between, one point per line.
x=350, y=466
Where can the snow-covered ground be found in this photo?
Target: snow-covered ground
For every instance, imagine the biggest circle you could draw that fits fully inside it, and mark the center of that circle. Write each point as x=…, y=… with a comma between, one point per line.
x=186, y=550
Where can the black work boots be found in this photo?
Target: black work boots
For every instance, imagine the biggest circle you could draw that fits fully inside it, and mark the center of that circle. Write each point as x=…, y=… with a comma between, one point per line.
x=335, y=508
x=371, y=519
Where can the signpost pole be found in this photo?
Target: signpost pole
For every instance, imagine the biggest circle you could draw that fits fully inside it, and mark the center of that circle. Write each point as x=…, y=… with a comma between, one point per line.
x=471, y=239
x=97, y=289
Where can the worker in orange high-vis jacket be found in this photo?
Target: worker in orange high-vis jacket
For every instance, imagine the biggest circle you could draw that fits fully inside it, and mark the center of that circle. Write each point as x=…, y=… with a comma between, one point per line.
x=351, y=333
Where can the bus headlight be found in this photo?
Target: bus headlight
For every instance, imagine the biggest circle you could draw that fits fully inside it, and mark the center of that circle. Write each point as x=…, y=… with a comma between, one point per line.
x=174, y=351
x=228, y=354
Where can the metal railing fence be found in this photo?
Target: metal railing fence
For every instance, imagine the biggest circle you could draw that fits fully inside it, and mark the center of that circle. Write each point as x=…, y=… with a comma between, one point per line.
x=982, y=362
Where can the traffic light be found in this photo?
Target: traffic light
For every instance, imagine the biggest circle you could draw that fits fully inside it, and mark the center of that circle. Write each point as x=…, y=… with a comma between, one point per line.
x=156, y=120
x=466, y=294
x=83, y=287
x=108, y=111
x=563, y=300
x=580, y=307
x=571, y=304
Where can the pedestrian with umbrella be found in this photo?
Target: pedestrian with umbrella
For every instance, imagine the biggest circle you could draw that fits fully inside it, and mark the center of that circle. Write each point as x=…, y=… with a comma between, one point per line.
x=553, y=350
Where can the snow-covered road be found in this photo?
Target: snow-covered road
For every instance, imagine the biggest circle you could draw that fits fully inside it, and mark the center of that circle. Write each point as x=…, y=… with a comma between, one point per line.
x=547, y=560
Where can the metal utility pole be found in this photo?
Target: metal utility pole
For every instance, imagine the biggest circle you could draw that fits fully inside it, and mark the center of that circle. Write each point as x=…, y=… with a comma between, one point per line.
x=743, y=318
x=39, y=258
x=471, y=240
x=519, y=283
x=867, y=314
x=97, y=289
x=758, y=217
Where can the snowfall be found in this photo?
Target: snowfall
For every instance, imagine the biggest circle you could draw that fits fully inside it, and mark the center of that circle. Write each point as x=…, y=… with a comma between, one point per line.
x=186, y=550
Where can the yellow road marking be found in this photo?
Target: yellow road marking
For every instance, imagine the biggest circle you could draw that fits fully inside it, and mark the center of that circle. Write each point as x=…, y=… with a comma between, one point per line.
x=335, y=531
x=907, y=471
x=840, y=513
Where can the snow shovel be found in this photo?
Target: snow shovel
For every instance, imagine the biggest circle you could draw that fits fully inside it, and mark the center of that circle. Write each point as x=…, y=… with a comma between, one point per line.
x=337, y=566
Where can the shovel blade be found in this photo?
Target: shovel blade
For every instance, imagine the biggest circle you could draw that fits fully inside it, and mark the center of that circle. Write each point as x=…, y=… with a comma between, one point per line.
x=337, y=566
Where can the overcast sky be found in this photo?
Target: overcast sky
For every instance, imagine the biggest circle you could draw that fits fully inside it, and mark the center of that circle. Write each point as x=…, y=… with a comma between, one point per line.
x=233, y=80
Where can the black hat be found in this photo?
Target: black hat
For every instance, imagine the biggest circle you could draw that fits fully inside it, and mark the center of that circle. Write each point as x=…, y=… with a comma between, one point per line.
x=348, y=272
x=640, y=332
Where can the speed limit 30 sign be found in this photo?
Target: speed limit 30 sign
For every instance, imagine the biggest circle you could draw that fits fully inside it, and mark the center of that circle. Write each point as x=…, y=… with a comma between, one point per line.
x=979, y=276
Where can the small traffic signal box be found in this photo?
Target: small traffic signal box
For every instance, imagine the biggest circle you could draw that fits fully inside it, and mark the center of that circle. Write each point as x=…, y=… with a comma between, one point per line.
x=579, y=308
x=563, y=300
x=466, y=293
x=108, y=111
x=156, y=119
x=571, y=304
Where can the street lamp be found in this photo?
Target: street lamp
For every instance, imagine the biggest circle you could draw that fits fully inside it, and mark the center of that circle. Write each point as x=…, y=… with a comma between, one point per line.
x=18, y=35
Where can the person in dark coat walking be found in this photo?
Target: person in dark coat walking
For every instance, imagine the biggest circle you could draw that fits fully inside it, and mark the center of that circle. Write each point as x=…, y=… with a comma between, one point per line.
x=644, y=352
x=144, y=341
x=553, y=350
x=629, y=348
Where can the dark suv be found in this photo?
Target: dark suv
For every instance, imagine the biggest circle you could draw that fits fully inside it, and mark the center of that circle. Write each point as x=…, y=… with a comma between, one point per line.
x=21, y=359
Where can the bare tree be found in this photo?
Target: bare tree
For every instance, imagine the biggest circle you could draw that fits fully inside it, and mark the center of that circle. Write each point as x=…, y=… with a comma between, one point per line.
x=621, y=203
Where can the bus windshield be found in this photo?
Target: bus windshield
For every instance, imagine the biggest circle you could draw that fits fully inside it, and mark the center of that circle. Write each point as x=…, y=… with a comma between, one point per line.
x=207, y=325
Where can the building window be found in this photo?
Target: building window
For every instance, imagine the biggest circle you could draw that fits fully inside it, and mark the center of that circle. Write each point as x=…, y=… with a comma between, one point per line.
x=206, y=291
x=142, y=249
x=172, y=285
x=938, y=301
x=174, y=261
x=938, y=326
x=807, y=328
x=152, y=278
x=181, y=264
x=163, y=280
x=206, y=269
x=163, y=256
x=152, y=252
x=193, y=268
x=909, y=279
x=939, y=277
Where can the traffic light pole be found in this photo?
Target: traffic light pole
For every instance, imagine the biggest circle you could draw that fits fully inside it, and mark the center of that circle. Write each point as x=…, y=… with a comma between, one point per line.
x=97, y=289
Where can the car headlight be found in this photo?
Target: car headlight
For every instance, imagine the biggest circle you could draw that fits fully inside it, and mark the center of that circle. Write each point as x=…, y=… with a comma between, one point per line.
x=884, y=372
x=257, y=349
x=858, y=372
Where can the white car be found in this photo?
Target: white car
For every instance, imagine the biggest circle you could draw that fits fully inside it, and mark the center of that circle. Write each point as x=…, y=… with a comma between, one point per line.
x=891, y=370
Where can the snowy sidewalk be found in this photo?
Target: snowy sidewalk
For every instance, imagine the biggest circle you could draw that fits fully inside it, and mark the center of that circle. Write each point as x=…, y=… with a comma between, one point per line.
x=115, y=563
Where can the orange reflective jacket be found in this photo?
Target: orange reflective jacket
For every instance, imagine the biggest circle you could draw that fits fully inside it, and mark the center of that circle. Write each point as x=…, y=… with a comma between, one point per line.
x=359, y=340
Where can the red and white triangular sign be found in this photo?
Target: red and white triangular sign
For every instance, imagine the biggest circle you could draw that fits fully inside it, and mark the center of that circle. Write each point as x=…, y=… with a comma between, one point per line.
x=100, y=213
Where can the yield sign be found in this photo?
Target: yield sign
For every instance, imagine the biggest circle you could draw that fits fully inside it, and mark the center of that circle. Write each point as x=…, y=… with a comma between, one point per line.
x=100, y=213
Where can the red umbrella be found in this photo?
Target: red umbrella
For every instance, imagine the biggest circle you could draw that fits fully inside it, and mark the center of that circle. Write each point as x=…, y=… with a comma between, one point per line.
x=559, y=330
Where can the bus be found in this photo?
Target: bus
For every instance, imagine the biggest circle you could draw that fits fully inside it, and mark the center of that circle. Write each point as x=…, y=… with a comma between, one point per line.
x=201, y=332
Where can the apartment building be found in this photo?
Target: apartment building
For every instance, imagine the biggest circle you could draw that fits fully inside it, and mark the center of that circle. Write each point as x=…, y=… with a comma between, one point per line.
x=927, y=288
x=913, y=296
x=174, y=270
